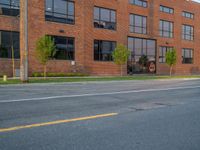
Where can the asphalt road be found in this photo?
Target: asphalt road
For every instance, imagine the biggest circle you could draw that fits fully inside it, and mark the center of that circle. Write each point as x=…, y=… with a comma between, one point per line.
x=127, y=115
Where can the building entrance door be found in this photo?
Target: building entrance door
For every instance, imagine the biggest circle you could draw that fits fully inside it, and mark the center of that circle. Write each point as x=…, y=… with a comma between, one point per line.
x=143, y=56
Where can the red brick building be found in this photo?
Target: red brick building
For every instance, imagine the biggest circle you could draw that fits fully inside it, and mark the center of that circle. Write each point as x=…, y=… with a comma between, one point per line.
x=87, y=31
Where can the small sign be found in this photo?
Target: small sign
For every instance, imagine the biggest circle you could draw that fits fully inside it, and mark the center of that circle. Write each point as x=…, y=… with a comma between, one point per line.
x=73, y=63
x=152, y=67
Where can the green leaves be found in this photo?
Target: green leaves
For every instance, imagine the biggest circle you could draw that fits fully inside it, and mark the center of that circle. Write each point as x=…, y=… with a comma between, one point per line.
x=45, y=48
x=121, y=54
x=171, y=57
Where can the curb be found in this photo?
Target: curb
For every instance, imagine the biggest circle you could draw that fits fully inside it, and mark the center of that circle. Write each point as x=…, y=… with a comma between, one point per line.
x=98, y=82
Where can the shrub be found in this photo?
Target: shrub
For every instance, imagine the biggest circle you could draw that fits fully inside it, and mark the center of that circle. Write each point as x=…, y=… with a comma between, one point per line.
x=39, y=74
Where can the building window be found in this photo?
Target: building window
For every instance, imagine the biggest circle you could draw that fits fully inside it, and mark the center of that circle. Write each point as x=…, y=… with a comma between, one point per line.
x=9, y=43
x=162, y=53
x=188, y=15
x=139, y=47
x=64, y=48
x=187, y=32
x=187, y=56
x=138, y=24
x=166, y=29
x=143, y=54
x=142, y=3
x=103, y=50
x=166, y=9
x=61, y=11
x=9, y=7
x=104, y=18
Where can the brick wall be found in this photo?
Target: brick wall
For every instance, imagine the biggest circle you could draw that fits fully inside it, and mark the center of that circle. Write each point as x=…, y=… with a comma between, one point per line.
x=6, y=66
x=84, y=34
x=8, y=24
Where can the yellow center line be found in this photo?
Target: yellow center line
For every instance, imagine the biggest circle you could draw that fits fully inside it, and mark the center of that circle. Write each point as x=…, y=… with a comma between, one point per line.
x=56, y=122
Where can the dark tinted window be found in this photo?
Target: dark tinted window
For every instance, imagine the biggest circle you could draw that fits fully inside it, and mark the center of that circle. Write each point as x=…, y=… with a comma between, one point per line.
x=9, y=7
x=9, y=43
x=60, y=11
x=187, y=56
x=104, y=18
x=64, y=48
x=103, y=50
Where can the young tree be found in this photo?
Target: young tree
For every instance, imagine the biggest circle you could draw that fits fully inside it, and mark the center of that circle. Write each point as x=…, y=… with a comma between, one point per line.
x=45, y=49
x=171, y=59
x=120, y=56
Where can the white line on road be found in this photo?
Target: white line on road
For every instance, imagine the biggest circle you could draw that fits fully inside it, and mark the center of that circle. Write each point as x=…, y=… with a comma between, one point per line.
x=98, y=94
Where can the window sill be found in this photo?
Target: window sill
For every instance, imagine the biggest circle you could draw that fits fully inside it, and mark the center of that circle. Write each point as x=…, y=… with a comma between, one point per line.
x=187, y=64
x=167, y=37
x=7, y=16
x=103, y=61
x=59, y=23
x=105, y=29
x=188, y=40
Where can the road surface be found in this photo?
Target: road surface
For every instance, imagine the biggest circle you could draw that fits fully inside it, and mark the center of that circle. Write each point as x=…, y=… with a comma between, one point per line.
x=124, y=115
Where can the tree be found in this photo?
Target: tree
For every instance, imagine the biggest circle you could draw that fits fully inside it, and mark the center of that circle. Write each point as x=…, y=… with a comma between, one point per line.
x=120, y=56
x=171, y=59
x=45, y=49
x=143, y=61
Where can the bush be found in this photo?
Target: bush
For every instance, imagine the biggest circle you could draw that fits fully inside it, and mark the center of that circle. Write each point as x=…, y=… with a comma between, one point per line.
x=39, y=74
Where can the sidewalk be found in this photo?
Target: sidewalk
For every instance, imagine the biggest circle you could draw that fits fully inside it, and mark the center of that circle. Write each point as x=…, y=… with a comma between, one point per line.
x=96, y=79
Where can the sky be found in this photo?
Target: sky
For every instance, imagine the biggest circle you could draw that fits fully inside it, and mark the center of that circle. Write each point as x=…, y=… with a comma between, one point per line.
x=197, y=1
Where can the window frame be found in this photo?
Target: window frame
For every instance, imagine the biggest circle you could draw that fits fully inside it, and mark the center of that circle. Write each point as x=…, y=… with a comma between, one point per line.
x=144, y=46
x=184, y=32
x=11, y=7
x=143, y=28
x=162, y=55
x=185, y=13
x=191, y=56
x=169, y=31
x=165, y=8
x=100, y=46
x=99, y=19
x=11, y=44
x=144, y=3
x=67, y=15
x=67, y=38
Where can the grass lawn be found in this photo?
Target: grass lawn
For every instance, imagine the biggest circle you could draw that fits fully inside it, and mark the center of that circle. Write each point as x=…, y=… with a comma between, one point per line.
x=83, y=79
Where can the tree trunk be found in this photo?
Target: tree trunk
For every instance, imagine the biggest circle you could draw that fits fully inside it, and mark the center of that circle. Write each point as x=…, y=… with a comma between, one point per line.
x=121, y=68
x=171, y=67
x=45, y=71
x=13, y=62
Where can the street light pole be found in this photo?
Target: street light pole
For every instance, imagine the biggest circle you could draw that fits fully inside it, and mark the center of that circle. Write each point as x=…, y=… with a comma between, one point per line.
x=24, y=40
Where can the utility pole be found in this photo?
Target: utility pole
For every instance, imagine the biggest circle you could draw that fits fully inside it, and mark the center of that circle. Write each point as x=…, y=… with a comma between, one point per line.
x=24, y=40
